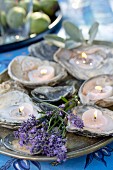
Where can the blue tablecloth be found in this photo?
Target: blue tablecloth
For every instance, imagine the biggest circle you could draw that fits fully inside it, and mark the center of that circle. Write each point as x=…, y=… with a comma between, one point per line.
x=83, y=13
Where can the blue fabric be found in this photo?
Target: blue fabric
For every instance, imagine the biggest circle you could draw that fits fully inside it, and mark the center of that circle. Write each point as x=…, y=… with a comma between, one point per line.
x=101, y=159
x=6, y=57
x=84, y=13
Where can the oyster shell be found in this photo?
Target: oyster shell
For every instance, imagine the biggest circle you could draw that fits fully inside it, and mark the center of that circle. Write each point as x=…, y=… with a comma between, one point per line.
x=12, y=144
x=11, y=85
x=103, y=98
x=10, y=103
x=0, y=141
x=38, y=50
x=105, y=129
x=21, y=67
x=98, y=61
x=52, y=94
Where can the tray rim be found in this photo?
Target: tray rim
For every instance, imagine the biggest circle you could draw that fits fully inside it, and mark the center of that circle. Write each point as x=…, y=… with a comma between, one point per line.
x=71, y=154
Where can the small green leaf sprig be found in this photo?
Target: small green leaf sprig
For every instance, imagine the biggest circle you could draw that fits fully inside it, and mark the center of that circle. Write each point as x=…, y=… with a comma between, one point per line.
x=74, y=38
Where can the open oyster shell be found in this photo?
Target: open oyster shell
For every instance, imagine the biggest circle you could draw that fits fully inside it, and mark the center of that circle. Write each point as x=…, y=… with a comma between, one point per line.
x=10, y=103
x=11, y=85
x=103, y=98
x=105, y=130
x=102, y=62
x=38, y=50
x=52, y=94
x=20, y=66
x=13, y=144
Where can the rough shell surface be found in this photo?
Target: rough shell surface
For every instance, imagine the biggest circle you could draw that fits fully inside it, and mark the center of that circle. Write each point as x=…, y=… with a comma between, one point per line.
x=87, y=86
x=9, y=108
x=16, y=72
x=63, y=56
x=107, y=131
x=11, y=85
x=43, y=50
x=52, y=94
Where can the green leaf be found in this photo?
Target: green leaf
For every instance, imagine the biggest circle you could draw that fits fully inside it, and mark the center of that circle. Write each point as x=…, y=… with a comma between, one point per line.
x=92, y=32
x=55, y=40
x=64, y=99
x=70, y=44
x=73, y=31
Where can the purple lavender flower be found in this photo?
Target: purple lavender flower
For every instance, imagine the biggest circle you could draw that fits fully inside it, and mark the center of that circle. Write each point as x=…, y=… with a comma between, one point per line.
x=49, y=113
x=76, y=121
x=62, y=106
x=49, y=143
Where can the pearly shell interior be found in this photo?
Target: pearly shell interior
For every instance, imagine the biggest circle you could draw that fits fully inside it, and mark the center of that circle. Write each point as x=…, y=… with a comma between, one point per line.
x=9, y=108
x=102, y=62
x=105, y=131
x=52, y=94
x=87, y=86
x=20, y=66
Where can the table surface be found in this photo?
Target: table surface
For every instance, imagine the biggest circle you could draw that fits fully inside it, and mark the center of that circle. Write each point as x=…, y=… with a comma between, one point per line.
x=83, y=13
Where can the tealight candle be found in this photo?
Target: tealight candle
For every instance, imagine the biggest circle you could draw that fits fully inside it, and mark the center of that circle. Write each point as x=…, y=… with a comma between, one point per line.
x=26, y=108
x=94, y=119
x=22, y=110
x=43, y=73
x=86, y=61
x=100, y=92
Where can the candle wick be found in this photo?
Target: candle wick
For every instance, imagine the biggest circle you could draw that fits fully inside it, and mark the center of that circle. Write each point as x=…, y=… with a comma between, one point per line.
x=20, y=112
x=95, y=117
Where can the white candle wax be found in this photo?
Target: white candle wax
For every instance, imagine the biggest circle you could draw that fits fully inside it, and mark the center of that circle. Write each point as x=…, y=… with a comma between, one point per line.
x=96, y=94
x=87, y=61
x=94, y=119
x=43, y=73
x=24, y=110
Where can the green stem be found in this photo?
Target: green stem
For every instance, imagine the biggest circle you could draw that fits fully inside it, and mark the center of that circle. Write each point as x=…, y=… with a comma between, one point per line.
x=53, y=125
x=60, y=126
x=50, y=121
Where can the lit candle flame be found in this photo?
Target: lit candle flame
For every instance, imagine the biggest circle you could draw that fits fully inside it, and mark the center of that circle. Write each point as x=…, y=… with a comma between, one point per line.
x=99, y=88
x=43, y=71
x=21, y=109
x=83, y=55
x=95, y=114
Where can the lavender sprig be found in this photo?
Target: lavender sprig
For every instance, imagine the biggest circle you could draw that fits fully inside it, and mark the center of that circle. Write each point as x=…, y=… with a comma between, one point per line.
x=48, y=134
x=49, y=143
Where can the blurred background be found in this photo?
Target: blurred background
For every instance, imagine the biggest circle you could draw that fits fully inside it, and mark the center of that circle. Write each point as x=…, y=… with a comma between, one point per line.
x=84, y=12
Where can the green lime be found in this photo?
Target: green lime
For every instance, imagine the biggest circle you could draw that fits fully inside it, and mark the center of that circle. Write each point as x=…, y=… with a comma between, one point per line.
x=16, y=17
x=49, y=7
x=39, y=22
x=3, y=18
x=25, y=4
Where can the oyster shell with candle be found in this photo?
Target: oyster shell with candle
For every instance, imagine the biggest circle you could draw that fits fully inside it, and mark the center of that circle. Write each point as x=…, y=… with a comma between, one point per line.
x=86, y=61
x=32, y=72
x=97, y=90
x=91, y=121
x=16, y=107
